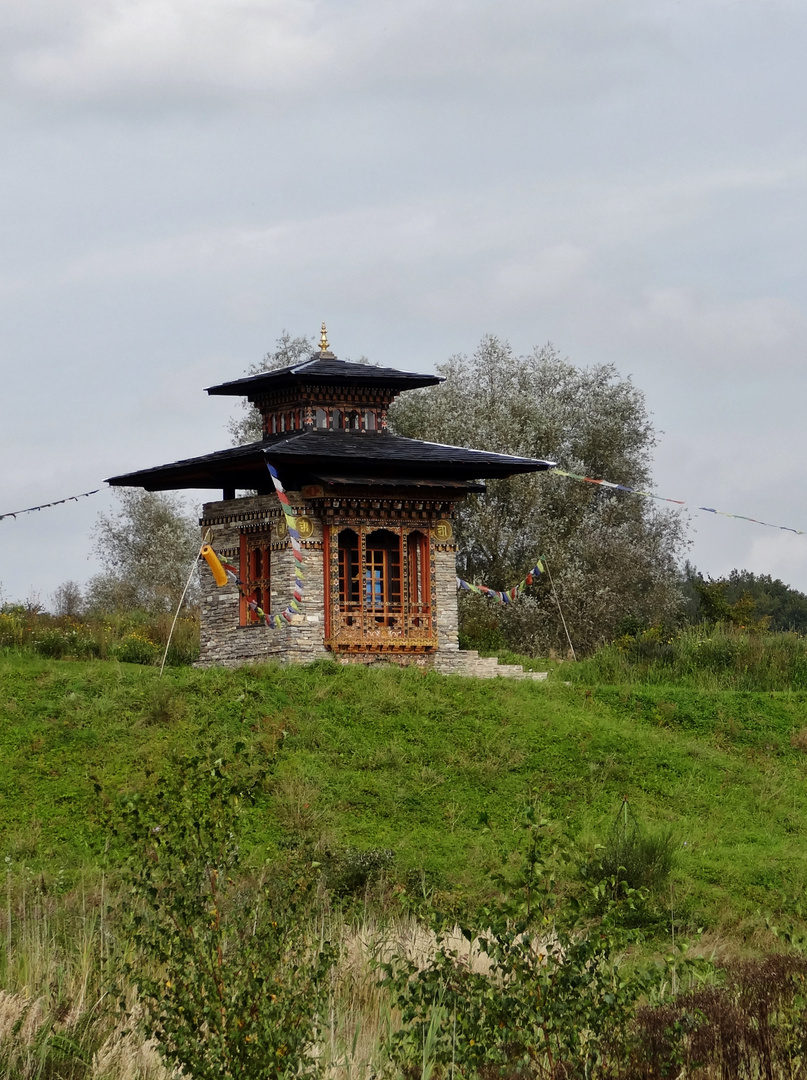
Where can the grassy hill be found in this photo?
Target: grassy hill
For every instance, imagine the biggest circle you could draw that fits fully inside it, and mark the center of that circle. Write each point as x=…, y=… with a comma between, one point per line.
x=409, y=762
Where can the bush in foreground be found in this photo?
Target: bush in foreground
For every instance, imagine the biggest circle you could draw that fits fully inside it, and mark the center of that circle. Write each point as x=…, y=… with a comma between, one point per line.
x=230, y=979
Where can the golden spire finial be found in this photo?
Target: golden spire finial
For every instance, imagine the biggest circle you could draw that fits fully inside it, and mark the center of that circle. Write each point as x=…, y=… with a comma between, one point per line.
x=323, y=340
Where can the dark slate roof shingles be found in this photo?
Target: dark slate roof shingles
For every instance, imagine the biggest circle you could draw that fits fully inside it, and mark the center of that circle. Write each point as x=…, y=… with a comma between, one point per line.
x=326, y=368
x=335, y=450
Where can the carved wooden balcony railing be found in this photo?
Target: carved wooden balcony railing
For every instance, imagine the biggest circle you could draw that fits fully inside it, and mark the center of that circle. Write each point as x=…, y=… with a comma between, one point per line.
x=384, y=627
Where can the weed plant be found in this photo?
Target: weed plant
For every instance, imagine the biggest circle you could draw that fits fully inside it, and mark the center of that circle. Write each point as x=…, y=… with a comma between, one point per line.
x=134, y=638
x=724, y=657
x=749, y=1022
x=632, y=857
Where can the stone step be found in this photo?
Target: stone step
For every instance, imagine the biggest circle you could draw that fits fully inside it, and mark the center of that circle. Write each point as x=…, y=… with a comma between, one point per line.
x=469, y=663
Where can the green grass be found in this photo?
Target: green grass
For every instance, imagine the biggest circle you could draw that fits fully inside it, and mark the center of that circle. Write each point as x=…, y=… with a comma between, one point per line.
x=410, y=761
x=722, y=657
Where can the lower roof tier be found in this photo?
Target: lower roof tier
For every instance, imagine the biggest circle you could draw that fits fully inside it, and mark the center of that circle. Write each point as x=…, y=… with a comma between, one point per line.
x=310, y=456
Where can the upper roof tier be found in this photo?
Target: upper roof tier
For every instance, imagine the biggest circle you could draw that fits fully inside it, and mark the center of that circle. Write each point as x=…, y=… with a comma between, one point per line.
x=325, y=420
x=323, y=368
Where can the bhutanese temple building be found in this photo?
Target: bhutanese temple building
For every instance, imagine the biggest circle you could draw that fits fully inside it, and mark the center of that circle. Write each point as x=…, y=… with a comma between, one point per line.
x=374, y=513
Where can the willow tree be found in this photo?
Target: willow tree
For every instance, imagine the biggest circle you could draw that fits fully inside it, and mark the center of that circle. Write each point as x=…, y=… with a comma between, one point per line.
x=146, y=546
x=613, y=556
x=288, y=350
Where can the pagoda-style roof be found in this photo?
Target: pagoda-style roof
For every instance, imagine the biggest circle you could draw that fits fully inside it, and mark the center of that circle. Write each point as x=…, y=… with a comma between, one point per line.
x=325, y=369
x=325, y=423
x=333, y=457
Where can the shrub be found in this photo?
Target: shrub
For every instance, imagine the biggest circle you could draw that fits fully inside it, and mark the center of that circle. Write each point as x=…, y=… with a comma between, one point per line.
x=721, y=657
x=135, y=637
x=231, y=979
x=50, y=643
x=539, y=989
x=135, y=648
x=750, y=1026
x=352, y=872
x=632, y=857
x=57, y=642
x=12, y=630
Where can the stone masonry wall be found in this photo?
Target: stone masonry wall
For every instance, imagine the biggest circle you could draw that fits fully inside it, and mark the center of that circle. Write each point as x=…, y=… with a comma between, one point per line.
x=445, y=575
x=223, y=640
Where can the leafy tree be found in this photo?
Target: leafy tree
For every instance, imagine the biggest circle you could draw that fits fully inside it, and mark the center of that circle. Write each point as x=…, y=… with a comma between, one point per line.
x=147, y=547
x=785, y=607
x=612, y=555
x=744, y=599
x=68, y=599
x=288, y=350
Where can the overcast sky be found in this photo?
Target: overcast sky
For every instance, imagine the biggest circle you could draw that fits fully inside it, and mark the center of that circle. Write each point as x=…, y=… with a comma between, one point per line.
x=180, y=180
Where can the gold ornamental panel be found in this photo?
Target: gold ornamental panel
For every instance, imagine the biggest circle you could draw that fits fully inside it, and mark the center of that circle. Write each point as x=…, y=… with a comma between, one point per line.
x=303, y=524
x=443, y=530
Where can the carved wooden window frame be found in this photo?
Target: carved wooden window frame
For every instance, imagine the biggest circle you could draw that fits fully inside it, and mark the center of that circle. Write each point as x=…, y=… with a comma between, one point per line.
x=416, y=608
x=256, y=574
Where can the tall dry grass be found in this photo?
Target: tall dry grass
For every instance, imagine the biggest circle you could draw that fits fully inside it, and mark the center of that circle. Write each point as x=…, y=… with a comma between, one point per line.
x=56, y=1016
x=59, y=1020
x=59, y=1017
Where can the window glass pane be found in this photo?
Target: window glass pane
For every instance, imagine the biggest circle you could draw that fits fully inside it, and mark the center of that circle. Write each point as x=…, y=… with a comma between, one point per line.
x=336, y=419
x=383, y=569
x=321, y=418
x=369, y=421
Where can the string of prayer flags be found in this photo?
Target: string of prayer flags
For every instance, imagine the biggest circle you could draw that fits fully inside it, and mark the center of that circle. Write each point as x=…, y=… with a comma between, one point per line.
x=678, y=502
x=617, y=487
x=45, y=506
x=756, y=521
x=294, y=607
x=506, y=596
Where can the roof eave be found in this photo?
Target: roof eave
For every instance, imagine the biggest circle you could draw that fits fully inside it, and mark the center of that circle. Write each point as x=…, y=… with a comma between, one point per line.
x=306, y=372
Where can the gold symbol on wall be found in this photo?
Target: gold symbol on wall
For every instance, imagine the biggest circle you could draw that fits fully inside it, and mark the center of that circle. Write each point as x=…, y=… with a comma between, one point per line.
x=304, y=526
x=443, y=530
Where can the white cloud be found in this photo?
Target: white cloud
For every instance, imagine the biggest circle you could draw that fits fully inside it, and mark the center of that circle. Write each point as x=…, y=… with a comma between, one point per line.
x=152, y=47
x=493, y=251
x=121, y=50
